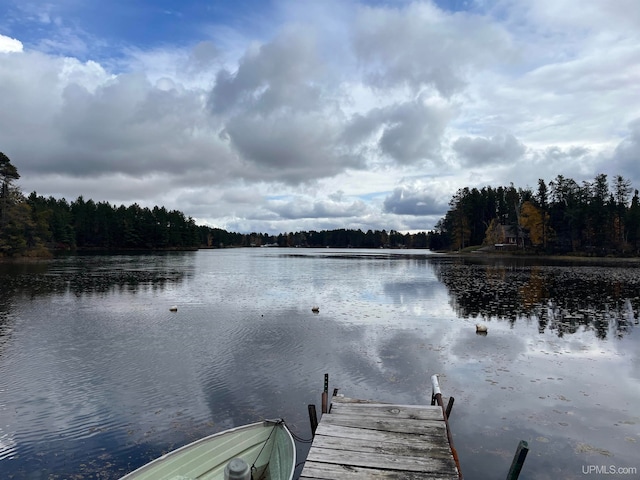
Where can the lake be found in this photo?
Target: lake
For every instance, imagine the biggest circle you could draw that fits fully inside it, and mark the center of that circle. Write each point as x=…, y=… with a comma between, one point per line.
x=98, y=376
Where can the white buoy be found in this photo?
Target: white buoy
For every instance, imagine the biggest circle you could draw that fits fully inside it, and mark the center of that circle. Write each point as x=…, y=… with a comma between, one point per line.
x=173, y=308
x=481, y=328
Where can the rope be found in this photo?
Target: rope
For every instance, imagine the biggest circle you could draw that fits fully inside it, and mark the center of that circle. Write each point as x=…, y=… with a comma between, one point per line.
x=275, y=424
x=295, y=437
x=298, y=438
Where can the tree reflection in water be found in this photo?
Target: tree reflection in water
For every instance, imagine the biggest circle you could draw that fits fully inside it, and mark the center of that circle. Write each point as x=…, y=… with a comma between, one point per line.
x=563, y=298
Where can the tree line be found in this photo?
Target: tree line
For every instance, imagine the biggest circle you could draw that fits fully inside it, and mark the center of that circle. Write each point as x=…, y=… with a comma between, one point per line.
x=338, y=238
x=37, y=225
x=561, y=216
x=89, y=225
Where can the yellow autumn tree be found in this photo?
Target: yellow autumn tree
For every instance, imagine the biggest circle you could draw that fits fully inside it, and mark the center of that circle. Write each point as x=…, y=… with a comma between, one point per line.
x=536, y=222
x=494, y=233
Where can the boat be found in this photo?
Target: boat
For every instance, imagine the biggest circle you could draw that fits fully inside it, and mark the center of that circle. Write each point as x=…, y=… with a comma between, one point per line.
x=258, y=451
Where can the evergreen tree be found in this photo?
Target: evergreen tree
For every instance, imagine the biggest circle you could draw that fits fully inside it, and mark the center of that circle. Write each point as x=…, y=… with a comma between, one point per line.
x=18, y=232
x=621, y=191
x=542, y=198
x=633, y=223
x=8, y=174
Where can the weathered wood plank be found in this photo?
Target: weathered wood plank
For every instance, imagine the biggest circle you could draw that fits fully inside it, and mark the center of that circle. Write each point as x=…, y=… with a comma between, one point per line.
x=402, y=425
x=414, y=412
x=411, y=447
x=380, y=460
x=433, y=437
x=327, y=471
x=343, y=399
x=370, y=403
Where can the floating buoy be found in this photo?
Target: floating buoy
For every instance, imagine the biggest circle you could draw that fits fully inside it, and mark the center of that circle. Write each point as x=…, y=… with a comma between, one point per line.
x=315, y=309
x=173, y=308
x=481, y=328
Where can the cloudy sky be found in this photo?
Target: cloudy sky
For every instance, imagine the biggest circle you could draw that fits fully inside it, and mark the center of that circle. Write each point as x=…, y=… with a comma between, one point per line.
x=286, y=115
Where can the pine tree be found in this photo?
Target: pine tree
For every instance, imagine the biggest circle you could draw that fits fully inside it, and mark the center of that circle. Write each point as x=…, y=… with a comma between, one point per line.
x=8, y=174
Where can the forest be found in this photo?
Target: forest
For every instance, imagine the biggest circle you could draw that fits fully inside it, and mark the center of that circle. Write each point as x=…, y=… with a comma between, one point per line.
x=37, y=226
x=592, y=218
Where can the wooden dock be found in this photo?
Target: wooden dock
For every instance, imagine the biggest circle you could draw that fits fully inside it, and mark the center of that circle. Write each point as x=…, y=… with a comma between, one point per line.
x=361, y=439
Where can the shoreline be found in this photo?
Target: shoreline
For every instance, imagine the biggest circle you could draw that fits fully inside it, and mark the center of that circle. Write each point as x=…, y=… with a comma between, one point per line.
x=477, y=252
x=469, y=252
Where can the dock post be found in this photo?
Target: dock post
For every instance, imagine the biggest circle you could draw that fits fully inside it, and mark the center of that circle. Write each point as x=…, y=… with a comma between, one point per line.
x=449, y=407
x=335, y=394
x=325, y=394
x=313, y=419
x=518, y=460
x=436, y=394
x=436, y=398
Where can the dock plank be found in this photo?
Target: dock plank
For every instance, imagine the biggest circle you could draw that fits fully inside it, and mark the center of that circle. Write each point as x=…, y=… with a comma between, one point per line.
x=401, y=425
x=350, y=433
x=413, y=412
x=384, y=444
x=325, y=471
x=379, y=460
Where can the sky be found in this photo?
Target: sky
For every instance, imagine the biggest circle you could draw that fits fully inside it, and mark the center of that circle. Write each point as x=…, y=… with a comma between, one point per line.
x=278, y=116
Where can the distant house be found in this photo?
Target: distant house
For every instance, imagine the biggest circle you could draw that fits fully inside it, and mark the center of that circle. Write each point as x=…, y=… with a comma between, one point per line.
x=510, y=237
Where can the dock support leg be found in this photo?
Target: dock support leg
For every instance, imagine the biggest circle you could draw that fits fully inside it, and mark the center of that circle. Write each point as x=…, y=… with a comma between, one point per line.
x=325, y=394
x=518, y=460
x=313, y=419
x=335, y=394
x=449, y=407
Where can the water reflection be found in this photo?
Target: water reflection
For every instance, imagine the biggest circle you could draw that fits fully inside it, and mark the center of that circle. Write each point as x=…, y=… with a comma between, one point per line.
x=561, y=298
x=95, y=274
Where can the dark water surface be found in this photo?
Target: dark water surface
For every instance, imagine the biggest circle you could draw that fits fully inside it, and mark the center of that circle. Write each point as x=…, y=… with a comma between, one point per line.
x=97, y=376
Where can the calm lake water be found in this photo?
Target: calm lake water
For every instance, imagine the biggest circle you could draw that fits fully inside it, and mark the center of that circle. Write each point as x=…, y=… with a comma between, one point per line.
x=97, y=376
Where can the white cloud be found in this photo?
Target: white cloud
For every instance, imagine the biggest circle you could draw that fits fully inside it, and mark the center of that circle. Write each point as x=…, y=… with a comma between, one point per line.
x=8, y=44
x=412, y=199
x=485, y=151
x=407, y=132
x=626, y=156
x=297, y=208
x=422, y=46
